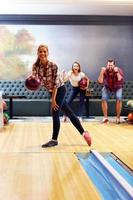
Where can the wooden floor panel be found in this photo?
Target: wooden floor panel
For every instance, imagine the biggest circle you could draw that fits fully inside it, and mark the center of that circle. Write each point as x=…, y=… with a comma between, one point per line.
x=28, y=172
x=43, y=176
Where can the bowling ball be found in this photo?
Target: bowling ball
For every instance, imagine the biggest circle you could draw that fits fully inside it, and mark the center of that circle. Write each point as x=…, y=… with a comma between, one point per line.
x=130, y=117
x=5, y=118
x=32, y=83
x=83, y=83
x=130, y=103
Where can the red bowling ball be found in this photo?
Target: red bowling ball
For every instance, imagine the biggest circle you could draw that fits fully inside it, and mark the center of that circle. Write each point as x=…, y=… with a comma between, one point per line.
x=32, y=83
x=83, y=83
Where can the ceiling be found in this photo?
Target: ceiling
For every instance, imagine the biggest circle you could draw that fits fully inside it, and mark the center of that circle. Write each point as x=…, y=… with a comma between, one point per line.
x=68, y=7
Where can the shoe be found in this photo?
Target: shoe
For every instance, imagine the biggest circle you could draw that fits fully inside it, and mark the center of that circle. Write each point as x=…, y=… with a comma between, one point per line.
x=117, y=120
x=51, y=143
x=87, y=138
x=105, y=120
x=64, y=119
x=80, y=119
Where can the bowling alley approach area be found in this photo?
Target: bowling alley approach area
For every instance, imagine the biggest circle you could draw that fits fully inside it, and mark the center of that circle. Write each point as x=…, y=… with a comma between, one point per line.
x=66, y=100
x=71, y=170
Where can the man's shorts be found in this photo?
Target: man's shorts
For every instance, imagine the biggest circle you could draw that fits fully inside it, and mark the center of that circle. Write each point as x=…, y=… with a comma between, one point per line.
x=107, y=93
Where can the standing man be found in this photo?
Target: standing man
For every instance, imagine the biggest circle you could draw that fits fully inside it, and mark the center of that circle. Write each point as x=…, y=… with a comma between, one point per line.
x=112, y=79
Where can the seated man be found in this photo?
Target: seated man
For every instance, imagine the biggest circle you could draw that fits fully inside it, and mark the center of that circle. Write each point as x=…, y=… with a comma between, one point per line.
x=112, y=79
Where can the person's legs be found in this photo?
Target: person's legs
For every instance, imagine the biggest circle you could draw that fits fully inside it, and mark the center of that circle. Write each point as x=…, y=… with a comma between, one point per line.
x=105, y=97
x=73, y=94
x=105, y=108
x=81, y=98
x=73, y=118
x=75, y=121
x=118, y=104
x=60, y=97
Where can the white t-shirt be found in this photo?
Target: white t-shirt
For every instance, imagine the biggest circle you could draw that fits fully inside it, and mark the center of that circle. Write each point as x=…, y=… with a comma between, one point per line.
x=74, y=79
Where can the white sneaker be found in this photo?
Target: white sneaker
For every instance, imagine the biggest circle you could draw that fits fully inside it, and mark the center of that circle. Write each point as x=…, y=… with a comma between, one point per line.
x=64, y=119
x=105, y=120
x=80, y=119
x=117, y=120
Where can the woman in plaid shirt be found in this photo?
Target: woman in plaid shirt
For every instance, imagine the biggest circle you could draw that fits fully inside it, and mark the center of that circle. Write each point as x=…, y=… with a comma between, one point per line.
x=47, y=72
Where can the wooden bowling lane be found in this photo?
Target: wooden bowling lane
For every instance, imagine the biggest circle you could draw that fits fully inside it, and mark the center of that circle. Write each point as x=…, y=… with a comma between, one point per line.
x=29, y=172
x=28, y=137
x=40, y=176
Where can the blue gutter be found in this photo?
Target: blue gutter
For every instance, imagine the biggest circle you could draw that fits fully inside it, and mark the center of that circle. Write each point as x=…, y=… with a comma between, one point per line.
x=108, y=181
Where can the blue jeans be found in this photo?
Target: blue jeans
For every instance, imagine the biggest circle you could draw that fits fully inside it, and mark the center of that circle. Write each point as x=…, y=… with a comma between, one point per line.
x=74, y=93
x=106, y=94
x=63, y=105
